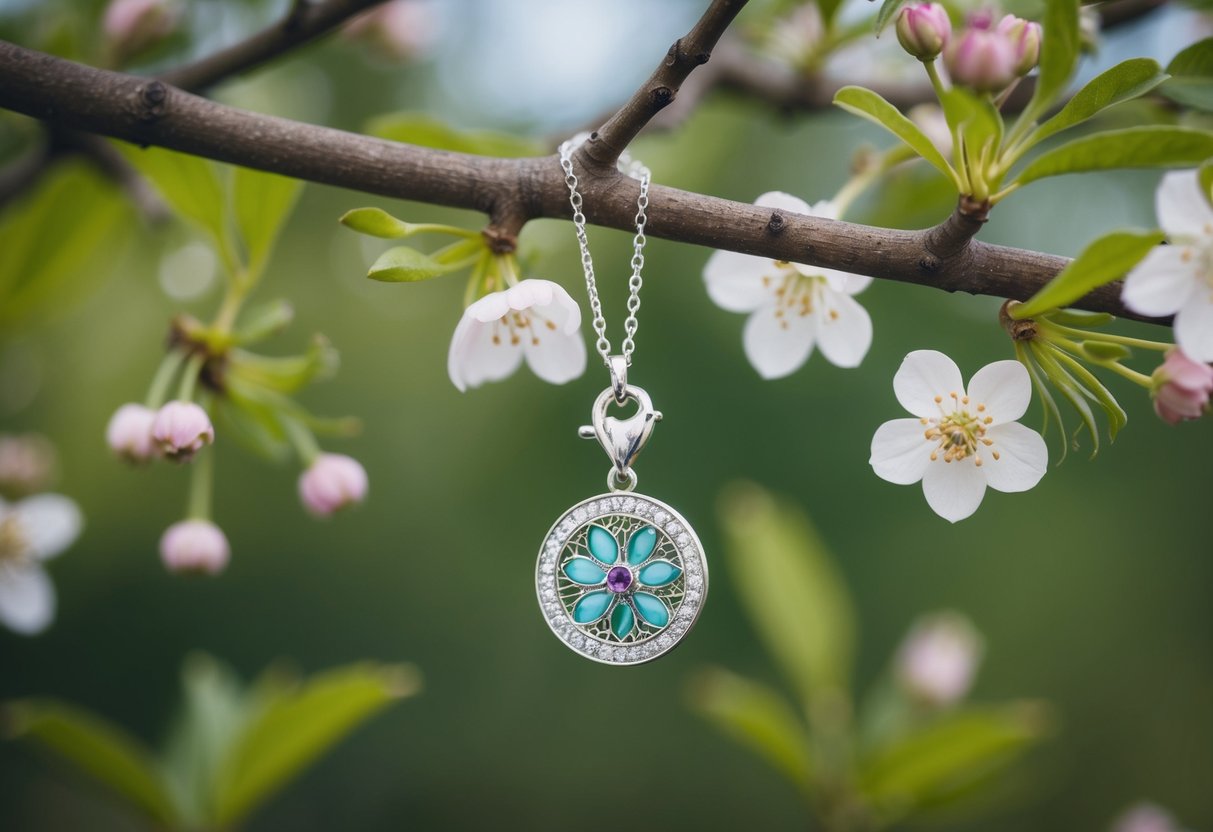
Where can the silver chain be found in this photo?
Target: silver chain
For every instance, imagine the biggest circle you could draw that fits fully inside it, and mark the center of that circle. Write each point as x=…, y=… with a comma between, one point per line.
x=635, y=169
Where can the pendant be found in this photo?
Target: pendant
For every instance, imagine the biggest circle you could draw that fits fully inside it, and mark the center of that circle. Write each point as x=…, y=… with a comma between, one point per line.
x=621, y=577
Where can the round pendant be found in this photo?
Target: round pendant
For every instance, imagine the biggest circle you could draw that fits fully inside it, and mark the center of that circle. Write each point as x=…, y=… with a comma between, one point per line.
x=621, y=578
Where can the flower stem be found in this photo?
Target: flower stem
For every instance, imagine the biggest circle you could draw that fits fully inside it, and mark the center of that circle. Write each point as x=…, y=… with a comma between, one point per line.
x=958, y=160
x=1108, y=337
x=169, y=365
x=302, y=438
x=189, y=380
x=202, y=477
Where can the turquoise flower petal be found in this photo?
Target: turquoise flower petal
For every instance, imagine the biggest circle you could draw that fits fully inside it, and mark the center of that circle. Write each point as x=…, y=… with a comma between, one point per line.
x=584, y=572
x=603, y=545
x=652, y=609
x=642, y=544
x=622, y=620
x=658, y=573
x=592, y=606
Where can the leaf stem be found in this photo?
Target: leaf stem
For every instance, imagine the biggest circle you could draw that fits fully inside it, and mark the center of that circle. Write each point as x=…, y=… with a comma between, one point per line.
x=202, y=478
x=189, y=380
x=169, y=365
x=1108, y=337
x=301, y=438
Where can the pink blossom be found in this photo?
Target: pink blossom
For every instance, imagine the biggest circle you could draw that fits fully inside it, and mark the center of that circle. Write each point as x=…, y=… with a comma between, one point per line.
x=133, y=25
x=1182, y=388
x=923, y=30
x=129, y=432
x=181, y=429
x=400, y=29
x=938, y=658
x=194, y=546
x=981, y=58
x=332, y=482
x=1025, y=35
x=27, y=463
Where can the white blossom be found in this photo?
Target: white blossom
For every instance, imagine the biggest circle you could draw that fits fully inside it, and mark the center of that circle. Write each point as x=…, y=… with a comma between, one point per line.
x=792, y=307
x=536, y=320
x=32, y=531
x=959, y=441
x=1178, y=279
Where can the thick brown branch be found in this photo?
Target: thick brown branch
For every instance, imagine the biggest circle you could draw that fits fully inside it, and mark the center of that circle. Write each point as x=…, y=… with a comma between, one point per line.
x=304, y=22
x=151, y=113
x=661, y=89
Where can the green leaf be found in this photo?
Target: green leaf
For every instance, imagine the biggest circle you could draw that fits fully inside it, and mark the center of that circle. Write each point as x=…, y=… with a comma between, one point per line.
x=1205, y=177
x=888, y=10
x=1105, y=351
x=262, y=202
x=924, y=767
x=1052, y=412
x=1079, y=318
x=1059, y=53
x=252, y=421
x=407, y=265
x=867, y=104
x=427, y=131
x=189, y=184
x=1196, y=93
x=1103, y=261
x=1123, y=82
x=51, y=241
x=1046, y=358
x=295, y=728
x=1194, y=60
x=976, y=119
x=375, y=222
x=756, y=717
x=286, y=374
x=790, y=589
x=1134, y=147
x=100, y=749
x=1094, y=389
x=263, y=321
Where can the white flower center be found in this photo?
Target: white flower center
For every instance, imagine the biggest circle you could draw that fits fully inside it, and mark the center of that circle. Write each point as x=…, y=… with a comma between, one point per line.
x=14, y=546
x=1200, y=258
x=795, y=294
x=959, y=433
x=518, y=325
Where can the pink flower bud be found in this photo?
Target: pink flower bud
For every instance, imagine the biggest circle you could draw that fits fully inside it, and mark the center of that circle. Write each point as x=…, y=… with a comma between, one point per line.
x=181, y=429
x=923, y=30
x=332, y=482
x=981, y=58
x=129, y=432
x=27, y=464
x=938, y=658
x=194, y=546
x=132, y=26
x=1181, y=388
x=1145, y=817
x=1025, y=37
x=399, y=30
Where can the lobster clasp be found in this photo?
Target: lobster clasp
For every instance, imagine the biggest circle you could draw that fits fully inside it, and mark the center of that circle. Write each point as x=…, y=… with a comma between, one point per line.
x=622, y=439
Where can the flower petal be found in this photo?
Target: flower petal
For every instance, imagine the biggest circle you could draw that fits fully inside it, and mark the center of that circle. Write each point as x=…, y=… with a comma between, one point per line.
x=900, y=451
x=641, y=544
x=738, y=282
x=475, y=357
x=923, y=375
x=1182, y=210
x=954, y=489
x=777, y=345
x=781, y=201
x=603, y=545
x=658, y=573
x=584, y=572
x=1023, y=458
x=555, y=357
x=622, y=620
x=1194, y=327
x=1004, y=388
x=27, y=599
x=551, y=300
x=592, y=606
x=1162, y=283
x=844, y=329
x=651, y=608
x=49, y=523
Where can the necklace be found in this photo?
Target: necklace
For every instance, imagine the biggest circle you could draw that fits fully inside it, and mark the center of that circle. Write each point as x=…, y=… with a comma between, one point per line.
x=621, y=577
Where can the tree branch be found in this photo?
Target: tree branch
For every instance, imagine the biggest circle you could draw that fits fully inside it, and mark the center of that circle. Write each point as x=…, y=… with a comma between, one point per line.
x=151, y=113
x=303, y=22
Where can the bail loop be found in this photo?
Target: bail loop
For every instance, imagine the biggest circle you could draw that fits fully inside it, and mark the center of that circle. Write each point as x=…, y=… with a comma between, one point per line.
x=618, y=365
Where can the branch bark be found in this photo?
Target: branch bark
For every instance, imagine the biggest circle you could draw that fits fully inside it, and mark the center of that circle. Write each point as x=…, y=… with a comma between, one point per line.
x=152, y=113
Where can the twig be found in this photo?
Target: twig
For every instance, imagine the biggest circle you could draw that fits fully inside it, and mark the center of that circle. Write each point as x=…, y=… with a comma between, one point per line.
x=152, y=113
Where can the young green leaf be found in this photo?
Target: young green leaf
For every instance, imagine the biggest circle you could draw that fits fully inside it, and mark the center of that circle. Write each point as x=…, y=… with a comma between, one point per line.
x=1205, y=177
x=189, y=184
x=376, y=222
x=1123, y=82
x=946, y=755
x=790, y=589
x=286, y=374
x=1046, y=358
x=407, y=265
x=263, y=201
x=1105, y=351
x=888, y=10
x=1058, y=55
x=1195, y=93
x=1052, y=413
x=867, y=104
x=1103, y=261
x=1094, y=390
x=100, y=749
x=1133, y=147
x=263, y=321
x=427, y=131
x=758, y=718
x=976, y=119
x=253, y=422
x=294, y=729
x=1194, y=60
x=1079, y=318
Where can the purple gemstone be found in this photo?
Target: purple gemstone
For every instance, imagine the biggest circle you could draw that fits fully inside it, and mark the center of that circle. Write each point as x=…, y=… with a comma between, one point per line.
x=619, y=579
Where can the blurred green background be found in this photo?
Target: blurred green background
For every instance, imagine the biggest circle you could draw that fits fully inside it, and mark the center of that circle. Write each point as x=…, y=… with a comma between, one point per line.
x=1092, y=590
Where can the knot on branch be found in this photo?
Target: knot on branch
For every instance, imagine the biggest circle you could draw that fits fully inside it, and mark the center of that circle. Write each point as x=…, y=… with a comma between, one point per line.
x=499, y=240
x=776, y=224
x=678, y=55
x=151, y=101
x=660, y=97
x=951, y=238
x=1019, y=329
